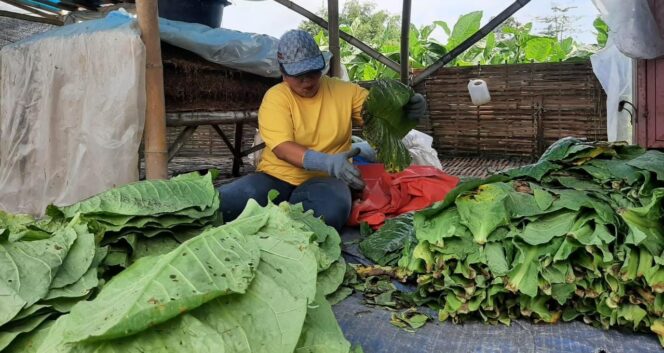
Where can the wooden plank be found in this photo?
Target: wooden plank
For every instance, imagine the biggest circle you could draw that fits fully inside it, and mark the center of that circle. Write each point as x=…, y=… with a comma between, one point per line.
x=181, y=139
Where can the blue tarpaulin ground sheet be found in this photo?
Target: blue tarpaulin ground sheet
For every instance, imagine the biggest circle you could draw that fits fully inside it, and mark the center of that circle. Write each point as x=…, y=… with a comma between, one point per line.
x=370, y=328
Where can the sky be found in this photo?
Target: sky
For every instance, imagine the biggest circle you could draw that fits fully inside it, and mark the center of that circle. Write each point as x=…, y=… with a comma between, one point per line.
x=269, y=17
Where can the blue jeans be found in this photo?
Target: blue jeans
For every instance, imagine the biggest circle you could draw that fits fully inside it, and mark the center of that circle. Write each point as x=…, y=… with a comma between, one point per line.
x=328, y=197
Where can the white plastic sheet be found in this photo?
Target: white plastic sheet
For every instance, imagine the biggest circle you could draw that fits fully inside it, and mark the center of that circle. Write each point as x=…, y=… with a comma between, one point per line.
x=614, y=72
x=633, y=27
x=72, y=110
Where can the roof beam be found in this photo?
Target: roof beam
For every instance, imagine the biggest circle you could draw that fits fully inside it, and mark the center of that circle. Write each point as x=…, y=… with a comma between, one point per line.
x=405, y=36
x=333, y=34
x=31, y=18
x=476, y=37
x=345, y=36
x=29, y=8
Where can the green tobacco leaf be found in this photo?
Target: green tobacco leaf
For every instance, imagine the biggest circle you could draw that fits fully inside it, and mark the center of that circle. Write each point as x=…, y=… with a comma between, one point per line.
x=523, y=204
x=444, y=225
x=152, y=246
x=11, y=303
x=543, y=199
x=384, y=247
x=577, y=184
x=523, y=276
x=560, y=149
x=562, y=292
x=321, y=332
x=188, y=192
x=385, y=122
x=78, y=259
x=539, y=49
x=465, y=27
x=525, y=270
x=645, y=223
x=28, y=267
x=602, y=31
x=484, y=211
x=185, y=332
x=409, y=319
x=9, y=334
x=267, y=318
x=607, y=169
x=154, y=289
x=496, y=260
x=463, y=187
x=327, y=237
x=548, y=227
x=29, y=342
x=330, y=279
x=652, y=161
x=536, y=171
x=85, y=284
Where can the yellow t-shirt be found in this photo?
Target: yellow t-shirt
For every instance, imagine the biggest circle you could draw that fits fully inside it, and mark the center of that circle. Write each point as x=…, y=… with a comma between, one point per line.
x=321, y=123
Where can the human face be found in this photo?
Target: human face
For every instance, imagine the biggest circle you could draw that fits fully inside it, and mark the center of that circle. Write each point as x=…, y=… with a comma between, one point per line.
x=305, y=85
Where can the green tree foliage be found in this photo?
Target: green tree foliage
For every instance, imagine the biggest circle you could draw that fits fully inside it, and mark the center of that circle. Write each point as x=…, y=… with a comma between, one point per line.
x=511, y=43
x=560, y=23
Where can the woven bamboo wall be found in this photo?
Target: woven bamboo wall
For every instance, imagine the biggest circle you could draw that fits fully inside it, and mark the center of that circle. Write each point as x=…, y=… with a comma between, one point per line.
x=532, y=105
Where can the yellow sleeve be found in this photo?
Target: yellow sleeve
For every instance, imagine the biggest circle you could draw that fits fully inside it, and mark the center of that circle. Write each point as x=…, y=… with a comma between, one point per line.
x=275, y=122
x=359, y=96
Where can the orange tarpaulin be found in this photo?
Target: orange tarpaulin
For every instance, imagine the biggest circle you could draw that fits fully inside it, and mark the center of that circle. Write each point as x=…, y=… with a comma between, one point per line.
x=389, y=195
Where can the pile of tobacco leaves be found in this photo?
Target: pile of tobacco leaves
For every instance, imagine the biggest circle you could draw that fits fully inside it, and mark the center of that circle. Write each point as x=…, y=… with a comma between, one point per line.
x=148, y=267
x=579, y=235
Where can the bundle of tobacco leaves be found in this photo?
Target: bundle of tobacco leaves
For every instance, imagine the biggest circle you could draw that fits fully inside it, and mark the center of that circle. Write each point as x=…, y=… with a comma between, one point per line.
x=577, y=235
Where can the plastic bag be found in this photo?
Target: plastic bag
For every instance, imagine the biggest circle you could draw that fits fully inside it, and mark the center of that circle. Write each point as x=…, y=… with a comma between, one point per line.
x=633, y=27
x=72, y=111
x=419, y=145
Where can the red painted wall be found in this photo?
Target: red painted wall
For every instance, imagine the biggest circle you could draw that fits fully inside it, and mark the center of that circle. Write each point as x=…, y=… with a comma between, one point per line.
x=649, y=129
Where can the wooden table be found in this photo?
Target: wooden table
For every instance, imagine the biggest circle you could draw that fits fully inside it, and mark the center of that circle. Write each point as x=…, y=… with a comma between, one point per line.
x=191, y=121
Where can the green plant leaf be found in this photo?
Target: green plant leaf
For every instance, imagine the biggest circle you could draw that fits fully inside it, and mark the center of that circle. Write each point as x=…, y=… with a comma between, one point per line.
x=542, y=230
x=385, y=123
x=539, y=49
x=465, y=26
x=321, y=332
x=384, y=246
x=484, y=211
x=157, y=288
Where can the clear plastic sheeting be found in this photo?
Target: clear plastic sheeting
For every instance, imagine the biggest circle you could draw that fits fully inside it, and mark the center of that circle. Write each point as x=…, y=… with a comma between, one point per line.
x=614, y=72
x=72, y=110
x=633, y=27
x=250, y=52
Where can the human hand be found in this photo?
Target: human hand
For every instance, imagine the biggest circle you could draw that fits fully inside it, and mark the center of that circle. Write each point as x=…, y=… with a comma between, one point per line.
x=336, y=165
x=416, y=107
x=366, y=151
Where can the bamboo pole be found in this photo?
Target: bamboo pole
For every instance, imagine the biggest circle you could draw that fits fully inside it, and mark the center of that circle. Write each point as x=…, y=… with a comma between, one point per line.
x=156, y=148
x=405, y=34
x=345, y=36
x=333, y=33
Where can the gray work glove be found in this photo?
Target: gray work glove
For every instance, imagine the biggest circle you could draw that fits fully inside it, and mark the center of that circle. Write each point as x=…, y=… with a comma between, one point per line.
x=416, y=107
x=366, y=151
x=336, y=165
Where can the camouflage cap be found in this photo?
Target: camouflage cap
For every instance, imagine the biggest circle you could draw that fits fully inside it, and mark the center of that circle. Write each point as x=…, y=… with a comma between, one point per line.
x=298, y=53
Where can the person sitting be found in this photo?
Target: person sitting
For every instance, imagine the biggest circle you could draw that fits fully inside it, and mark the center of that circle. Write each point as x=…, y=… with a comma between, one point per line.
x=306, y=124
